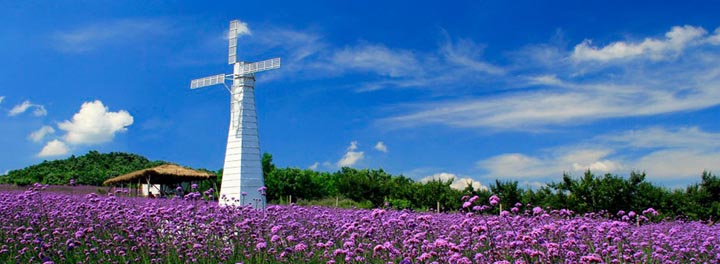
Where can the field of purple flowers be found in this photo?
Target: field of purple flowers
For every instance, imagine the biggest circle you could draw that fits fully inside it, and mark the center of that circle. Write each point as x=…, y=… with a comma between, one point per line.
x=45, y=227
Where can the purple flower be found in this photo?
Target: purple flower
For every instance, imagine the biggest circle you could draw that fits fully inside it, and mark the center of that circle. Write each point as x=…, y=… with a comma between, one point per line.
x=261, y=245
x=114, y=228
x=494, y=200
x=440, y=243
x=194, y=186
x=209, y=192
x=300, y=247
x=650, y=211
x=474, y=198
x=378, y=248
x=537, y=210
x=591, y=259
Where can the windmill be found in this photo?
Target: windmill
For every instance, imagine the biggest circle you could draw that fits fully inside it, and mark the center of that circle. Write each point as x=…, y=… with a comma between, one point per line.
x=242, y=171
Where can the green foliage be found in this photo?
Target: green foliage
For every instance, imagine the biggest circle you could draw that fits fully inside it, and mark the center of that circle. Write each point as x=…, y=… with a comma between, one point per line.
x=508, y=192
x=90, y=169
x=368, y=188
x=592, y=194
x=589, y=193
x=613, y=193
x=339, y=202
x=705, y=197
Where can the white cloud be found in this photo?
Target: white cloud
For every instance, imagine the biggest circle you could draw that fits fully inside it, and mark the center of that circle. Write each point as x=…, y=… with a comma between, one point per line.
x=547, y=86
x=550, y=79
x=457, y=182
x=314, y=166
x=351, y=156
x=54, y=148
x=96, y=35
x=19, y=109
x=678, y=164
x=380, y=146
x=516, y=165
x=466, y=53
x=442, y=176
x=552, y=165
x=562, y=93
x=93, y=124
x=586, y=103
x=664, y=154
x=659, y=137
x=353, y=145
x=1, y=99
x=677, y=153
x=462, y=183
x=243, y=29
x=298, y=46
x=40, y=134
x=715, y=39
x=453, y=64
x=676, y=40
x=382, y=66
x=39, y=110
x=378, y=59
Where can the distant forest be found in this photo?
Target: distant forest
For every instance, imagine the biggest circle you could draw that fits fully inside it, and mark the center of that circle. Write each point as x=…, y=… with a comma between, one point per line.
x=349, y=187
x=92, y=168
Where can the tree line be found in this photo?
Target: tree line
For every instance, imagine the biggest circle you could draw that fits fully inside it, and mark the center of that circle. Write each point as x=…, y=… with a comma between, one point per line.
x=588, y=193
x=92, y=168
x=376, y=188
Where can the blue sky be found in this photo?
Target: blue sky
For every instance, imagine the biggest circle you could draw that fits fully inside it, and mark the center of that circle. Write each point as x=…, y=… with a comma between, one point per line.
x=476, y=90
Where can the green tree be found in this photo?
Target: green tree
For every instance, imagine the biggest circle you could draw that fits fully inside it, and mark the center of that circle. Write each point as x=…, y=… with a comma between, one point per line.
x=508, y=192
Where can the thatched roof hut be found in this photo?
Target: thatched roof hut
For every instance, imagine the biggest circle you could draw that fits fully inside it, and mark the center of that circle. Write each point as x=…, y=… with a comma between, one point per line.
x=163, y=174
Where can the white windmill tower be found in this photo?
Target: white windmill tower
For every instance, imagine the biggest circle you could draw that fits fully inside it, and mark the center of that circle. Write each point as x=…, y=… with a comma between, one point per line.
x=242, y=171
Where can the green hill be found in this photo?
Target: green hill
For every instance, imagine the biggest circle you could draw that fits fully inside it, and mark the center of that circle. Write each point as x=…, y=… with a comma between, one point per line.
x=90, y=169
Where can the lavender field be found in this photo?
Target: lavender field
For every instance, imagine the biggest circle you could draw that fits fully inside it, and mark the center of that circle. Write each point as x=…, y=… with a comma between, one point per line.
x=46, y=227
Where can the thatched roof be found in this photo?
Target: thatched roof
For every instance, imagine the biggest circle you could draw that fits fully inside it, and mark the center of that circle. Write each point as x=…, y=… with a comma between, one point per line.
x=163, y=174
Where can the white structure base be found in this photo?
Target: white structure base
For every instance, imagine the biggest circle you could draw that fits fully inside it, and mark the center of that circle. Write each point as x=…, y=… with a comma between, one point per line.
x=145, y=189
x=242, y=172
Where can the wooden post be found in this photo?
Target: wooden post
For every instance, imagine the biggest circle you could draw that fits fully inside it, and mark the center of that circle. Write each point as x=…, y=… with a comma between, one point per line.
x=148, y=184
x=290, y=199
x=438, y=206
x=217, y=191
x=337, y=201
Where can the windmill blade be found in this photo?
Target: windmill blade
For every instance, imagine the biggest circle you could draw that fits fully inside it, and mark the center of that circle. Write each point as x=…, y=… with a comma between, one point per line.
x=207, y=81
x=232, y=41
x=260, y=66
